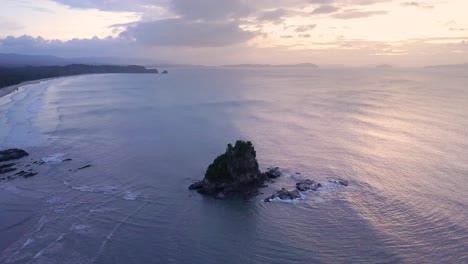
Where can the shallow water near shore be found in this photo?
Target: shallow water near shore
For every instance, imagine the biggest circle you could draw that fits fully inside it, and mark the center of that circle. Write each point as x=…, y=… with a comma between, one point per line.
x=399, y=136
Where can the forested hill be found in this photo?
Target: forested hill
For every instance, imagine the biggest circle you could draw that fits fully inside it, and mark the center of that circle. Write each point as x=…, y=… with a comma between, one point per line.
x=15, y=75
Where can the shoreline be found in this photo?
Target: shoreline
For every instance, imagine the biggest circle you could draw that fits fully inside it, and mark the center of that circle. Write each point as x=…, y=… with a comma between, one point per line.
x=10, y=89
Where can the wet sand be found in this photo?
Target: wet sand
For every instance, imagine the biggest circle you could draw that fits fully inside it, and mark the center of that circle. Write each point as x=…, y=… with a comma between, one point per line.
x=9, y=89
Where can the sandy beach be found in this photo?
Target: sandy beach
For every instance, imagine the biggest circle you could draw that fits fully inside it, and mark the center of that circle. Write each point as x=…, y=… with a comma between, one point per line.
x=9, y=89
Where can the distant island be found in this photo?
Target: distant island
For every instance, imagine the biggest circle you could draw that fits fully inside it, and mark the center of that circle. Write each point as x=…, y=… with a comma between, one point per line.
x=384, y=66
x=16, y=75
x=300, y=65
x=448, y=66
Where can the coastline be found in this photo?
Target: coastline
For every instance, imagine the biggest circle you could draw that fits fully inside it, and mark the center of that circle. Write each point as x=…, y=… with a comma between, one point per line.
x=9, y=89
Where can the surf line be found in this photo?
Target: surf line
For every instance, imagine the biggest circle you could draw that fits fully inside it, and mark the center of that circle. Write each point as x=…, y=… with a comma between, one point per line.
x=117, y=226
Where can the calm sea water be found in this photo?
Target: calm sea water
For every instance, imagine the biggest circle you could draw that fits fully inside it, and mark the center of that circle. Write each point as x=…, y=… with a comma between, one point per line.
x=399, y=136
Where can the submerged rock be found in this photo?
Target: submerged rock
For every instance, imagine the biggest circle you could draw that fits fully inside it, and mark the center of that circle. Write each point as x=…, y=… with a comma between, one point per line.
x=273, y=173
x=340, y=182
x=84, y=167
x=235, y=171
x=25, y=174
x=307, y=185
x=12, y=154
x=7, y=168
x=196, y=186
x=284, y=194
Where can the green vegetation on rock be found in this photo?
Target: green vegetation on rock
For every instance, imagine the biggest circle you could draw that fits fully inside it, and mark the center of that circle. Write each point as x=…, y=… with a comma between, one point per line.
x=235, y=162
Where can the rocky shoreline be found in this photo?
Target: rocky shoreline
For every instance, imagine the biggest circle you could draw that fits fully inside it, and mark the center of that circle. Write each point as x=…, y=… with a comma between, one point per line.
x=10, y=155
x=301, y=186
x=236, y=173
x=13, y=165
x=233, y=173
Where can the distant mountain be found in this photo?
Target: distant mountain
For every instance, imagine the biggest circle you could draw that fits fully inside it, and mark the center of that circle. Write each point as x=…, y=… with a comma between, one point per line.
x=449, y=66
x=332, y=66
x=172, y=65
x=20, y=60
x=300, y=65
x=384, y=66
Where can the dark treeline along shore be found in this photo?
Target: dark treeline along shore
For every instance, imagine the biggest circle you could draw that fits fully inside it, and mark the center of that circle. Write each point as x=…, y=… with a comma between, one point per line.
x=16, y=75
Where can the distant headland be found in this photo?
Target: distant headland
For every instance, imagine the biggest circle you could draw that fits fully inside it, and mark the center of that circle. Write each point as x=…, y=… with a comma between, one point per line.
x=15, y=75
x=448, y=66
x=299, y=65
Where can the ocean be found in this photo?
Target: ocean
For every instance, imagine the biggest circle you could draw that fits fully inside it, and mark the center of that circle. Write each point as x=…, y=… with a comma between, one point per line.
x=399, y=136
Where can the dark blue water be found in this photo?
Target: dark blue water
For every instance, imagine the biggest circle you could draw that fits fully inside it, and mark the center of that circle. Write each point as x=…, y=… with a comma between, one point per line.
x=399, y=136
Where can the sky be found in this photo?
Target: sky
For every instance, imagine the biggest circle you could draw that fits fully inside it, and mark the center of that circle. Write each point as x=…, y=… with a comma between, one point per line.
x=217, y=32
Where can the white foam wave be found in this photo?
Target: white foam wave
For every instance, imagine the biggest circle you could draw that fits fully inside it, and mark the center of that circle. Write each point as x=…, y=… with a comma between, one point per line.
x=57, y=204
x=79, y=227
x=55, y=158
x=326, y=188
x=97, y=189
x=101, y=210
x=130, y=196
x=42, y=221
x=330, y=186
x=278, y=200
x=18, y=115
x=111, y=190
x=27, y=243
x=9, y=188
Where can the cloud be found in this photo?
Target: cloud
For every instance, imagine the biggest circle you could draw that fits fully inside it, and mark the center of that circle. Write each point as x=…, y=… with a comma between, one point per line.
x=348, y=2
x=356, y=13
x=9, y=24
x=112, y=5
x=237, y=31
x=192, y=9
x=194, y=23
x=458, y=29
x=305, y=28
x=325, y=9
x=409, y=52
x=417, y=4
x=75, y=47
x=273, y=15
x=210, y=9
x=181, y=32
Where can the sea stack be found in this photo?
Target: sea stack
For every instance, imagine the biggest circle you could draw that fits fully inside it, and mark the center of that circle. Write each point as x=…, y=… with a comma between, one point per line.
x=233, y=172
x=236, y=172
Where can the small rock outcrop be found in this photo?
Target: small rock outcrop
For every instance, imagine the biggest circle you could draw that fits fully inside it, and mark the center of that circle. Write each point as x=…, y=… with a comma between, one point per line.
x=273, y=173
x=196, y=186
x=307, y=185
x=7, y=168
x=284, y=194
x=25, y=174
x=340, y=182
x=235, y=171
x=12, y=154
